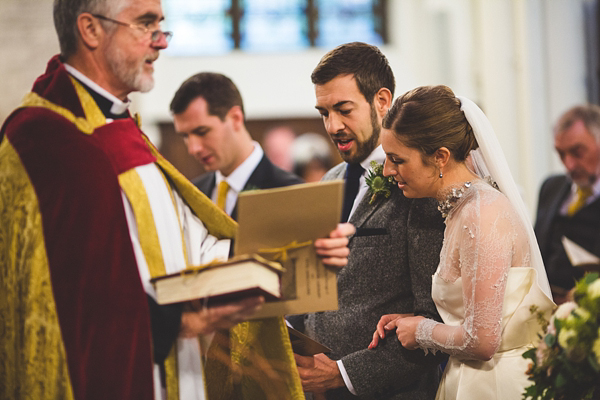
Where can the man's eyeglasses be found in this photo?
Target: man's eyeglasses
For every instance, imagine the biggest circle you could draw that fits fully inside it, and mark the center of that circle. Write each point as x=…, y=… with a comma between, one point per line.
x=155, y=35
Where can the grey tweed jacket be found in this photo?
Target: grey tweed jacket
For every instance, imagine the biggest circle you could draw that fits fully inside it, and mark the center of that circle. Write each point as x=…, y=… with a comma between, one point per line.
x=393, y=256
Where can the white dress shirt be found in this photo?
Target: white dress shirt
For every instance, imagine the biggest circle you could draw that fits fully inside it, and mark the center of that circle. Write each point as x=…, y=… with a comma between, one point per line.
x=570, y=198
x=238, y=178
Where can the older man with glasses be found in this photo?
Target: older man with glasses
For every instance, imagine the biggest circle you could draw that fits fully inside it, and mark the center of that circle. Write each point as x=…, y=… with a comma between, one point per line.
x=90, y=212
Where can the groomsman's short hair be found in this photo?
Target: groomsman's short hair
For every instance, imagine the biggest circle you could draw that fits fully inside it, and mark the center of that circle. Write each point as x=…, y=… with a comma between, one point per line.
x=367, y=63
x=219, y=91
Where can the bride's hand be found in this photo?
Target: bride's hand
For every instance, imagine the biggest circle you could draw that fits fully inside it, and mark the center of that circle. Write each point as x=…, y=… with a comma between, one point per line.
x=406, y=329
x=386, y=323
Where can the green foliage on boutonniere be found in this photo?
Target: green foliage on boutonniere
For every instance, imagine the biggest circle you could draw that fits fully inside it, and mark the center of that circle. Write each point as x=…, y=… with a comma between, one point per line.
x=250, y=187
x=379, y=185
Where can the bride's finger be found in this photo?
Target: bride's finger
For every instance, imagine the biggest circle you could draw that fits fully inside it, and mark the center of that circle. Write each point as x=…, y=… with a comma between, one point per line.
x=383, y=322
x=375, y=340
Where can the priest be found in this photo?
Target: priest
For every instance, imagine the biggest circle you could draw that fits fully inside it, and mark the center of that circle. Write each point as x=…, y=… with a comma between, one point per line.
x=90, y=212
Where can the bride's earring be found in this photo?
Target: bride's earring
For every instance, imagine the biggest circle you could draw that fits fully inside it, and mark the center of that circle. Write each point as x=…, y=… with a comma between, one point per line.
x=441, y=175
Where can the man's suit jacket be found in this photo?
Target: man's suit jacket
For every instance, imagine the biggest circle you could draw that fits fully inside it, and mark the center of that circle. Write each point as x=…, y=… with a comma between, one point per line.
x=553, y=193
x=393, y=256
x=265, y=176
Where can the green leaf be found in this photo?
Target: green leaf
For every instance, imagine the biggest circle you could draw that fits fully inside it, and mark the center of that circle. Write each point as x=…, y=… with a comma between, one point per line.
x=590, y=277
x=560, y=380
x=530, y=354
x=549, y=339
x=593, y=362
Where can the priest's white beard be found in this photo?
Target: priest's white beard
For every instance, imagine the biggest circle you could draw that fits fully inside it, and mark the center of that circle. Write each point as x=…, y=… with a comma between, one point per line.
x=130, y=72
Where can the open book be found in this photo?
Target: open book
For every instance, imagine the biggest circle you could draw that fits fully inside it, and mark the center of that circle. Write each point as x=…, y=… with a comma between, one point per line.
x=221, y=282
x=578, y=256
x=282, y=224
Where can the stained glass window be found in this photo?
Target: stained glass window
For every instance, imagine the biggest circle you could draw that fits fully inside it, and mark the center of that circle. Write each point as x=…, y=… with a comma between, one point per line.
x=199, y=27
x=342, y=21
x=274, y=25
x=219, y=26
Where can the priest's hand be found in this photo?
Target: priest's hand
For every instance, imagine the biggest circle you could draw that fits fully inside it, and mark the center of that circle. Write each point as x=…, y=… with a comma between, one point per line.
x=318, y=373
x=198, y=320
x=334, y=249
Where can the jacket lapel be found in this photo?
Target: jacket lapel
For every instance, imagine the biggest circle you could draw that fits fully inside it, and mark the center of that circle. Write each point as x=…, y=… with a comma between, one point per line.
x=557, y=201
x=207, y=184
x=256, y=181
x=364, y=209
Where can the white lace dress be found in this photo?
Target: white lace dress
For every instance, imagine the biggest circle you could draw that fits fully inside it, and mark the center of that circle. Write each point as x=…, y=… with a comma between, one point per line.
x=483, y=289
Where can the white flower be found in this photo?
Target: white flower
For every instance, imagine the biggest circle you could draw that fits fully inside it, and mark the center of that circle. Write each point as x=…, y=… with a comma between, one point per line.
x=594, y=289
x=582, y=313
x=564, y=310
x=565, y=336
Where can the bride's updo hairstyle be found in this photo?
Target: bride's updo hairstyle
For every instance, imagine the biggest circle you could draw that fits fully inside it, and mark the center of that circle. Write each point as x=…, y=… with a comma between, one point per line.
x=429, y=117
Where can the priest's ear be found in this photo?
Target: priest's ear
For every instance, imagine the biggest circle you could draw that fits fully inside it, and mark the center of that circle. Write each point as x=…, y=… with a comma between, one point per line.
x=90, y=30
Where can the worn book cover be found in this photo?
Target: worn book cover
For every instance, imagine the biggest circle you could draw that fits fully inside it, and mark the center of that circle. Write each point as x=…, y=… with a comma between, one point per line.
x=305, y=345
x=281, y=225
x=222, y=282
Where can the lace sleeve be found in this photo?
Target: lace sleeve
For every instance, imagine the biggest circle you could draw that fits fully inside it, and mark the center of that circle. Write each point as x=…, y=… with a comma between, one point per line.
x=479, y=250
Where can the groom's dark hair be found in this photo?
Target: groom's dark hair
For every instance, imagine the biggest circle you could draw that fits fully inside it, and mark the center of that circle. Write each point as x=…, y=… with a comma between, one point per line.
x=367, y=63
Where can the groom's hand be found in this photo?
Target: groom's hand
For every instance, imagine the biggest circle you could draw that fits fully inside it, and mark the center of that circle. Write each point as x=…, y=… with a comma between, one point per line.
x=333, y=250
x=318, y=373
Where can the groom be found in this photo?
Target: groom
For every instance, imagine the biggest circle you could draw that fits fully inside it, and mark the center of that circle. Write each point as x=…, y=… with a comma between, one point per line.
x=393, y=254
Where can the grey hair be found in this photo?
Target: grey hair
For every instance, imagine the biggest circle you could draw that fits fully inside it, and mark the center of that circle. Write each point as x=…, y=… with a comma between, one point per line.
x=589, y=114
x=65, y=19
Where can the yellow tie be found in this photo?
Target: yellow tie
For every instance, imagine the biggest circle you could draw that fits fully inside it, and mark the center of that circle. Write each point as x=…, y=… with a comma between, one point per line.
x=580, y=198
x=222, y=194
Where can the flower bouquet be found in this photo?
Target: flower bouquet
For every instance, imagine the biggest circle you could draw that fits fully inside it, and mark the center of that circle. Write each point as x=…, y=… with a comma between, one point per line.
x=566, y=363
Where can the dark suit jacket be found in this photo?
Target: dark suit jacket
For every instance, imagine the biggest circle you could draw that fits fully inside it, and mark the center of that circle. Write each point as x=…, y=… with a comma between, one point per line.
x=265, y=176
x=393, y=256
x=582, y=228
x=553, y=193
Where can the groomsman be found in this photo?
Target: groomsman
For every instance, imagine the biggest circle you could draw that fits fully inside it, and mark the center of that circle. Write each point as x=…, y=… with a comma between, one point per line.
x=393, y=253
x=208, y=113
x=569, y=203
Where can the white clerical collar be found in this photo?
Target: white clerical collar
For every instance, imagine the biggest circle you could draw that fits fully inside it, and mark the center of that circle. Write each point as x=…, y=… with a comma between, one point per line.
x=238, y=178
x=118, y=106
x=377, y=155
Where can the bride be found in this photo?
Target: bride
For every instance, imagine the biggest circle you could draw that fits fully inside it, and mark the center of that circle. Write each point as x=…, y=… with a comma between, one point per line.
x=490, y=272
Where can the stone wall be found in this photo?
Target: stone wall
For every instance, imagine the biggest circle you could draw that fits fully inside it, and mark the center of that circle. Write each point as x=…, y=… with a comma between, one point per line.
x=27, y=41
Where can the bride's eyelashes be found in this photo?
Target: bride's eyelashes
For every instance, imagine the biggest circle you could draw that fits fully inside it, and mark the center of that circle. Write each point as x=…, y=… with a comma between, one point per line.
x=396, y=161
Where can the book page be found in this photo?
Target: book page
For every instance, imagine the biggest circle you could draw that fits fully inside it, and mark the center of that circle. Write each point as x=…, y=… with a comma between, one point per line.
x=579, y=256
x=275, y=218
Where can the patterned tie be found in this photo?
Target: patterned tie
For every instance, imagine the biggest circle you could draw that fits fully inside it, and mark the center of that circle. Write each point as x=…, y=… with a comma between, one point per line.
x=580, y=199
x=222, y=194
x=353, y=174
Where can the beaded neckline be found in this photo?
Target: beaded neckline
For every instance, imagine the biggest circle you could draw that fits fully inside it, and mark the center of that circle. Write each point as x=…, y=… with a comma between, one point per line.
x=446, y=205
